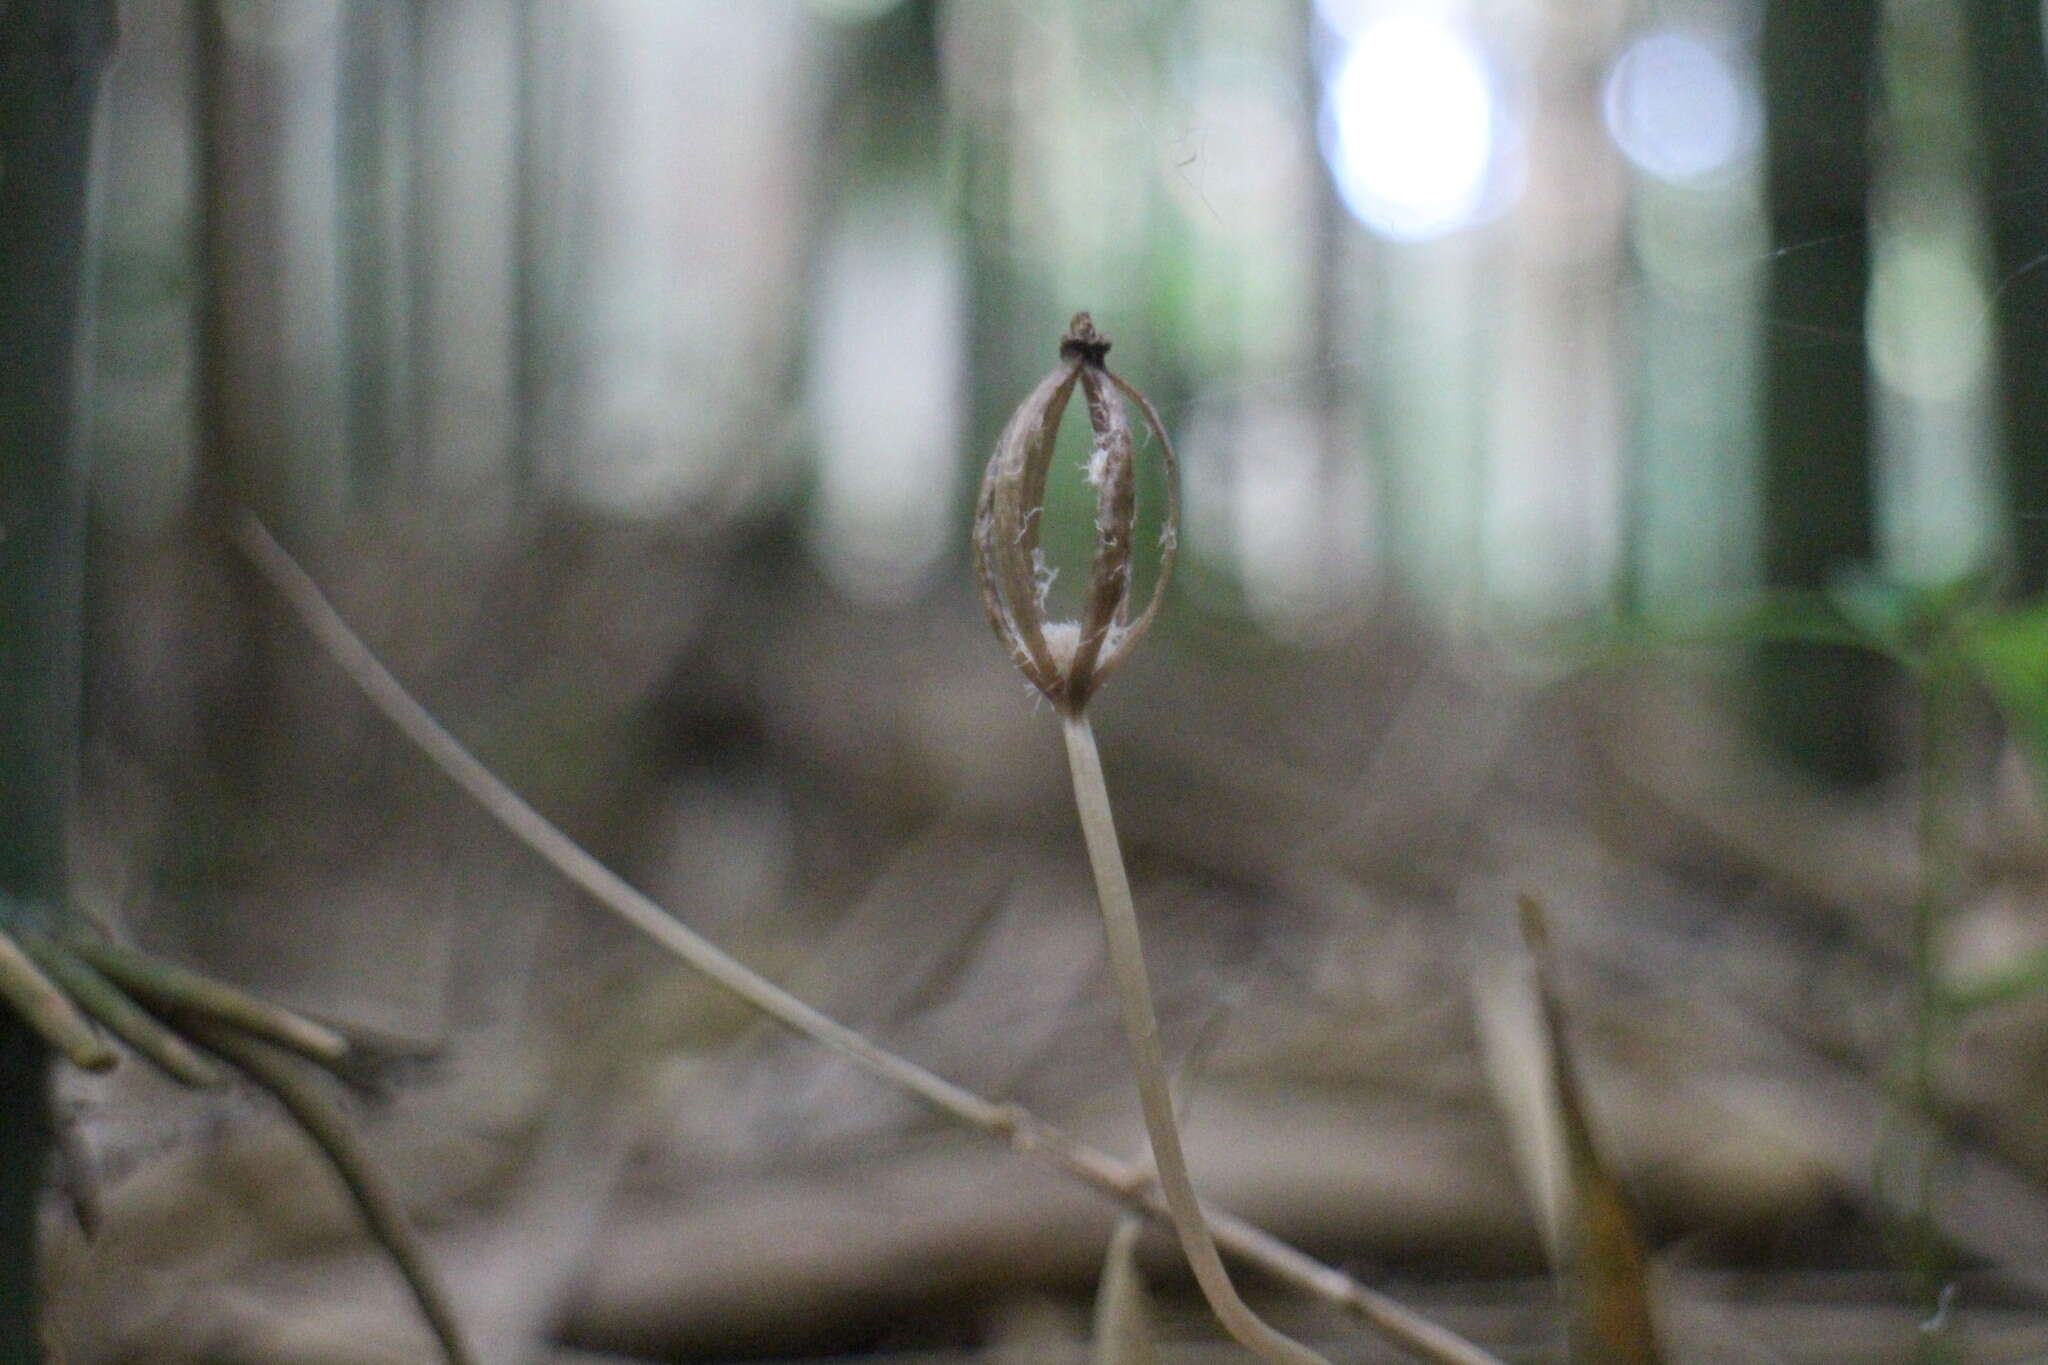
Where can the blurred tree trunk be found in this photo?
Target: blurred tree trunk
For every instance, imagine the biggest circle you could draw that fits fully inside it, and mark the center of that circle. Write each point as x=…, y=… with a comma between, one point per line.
x=379, y=80
x=1934, y=378
x=1550, y=487
x=51, y=55
x=466, y=232
x=250, y=411
x=272, y=394
x=1817, y=705
x=2010, y=79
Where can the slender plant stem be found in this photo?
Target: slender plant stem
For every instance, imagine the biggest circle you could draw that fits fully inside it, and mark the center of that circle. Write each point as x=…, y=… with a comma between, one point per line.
x=1122, y=1328
x=121, y=1016
x=1141, y=1026
x=1125, y=1182
x=274, y=1070
x=166, y=986
x=44, y=1006
x=1939, y=844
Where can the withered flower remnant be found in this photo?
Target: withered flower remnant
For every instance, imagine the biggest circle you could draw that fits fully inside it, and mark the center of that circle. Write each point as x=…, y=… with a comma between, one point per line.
x=1068, y=660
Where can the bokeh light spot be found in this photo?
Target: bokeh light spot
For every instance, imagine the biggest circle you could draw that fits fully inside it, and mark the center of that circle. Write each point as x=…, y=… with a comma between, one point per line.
x=1677, y=108
x=1412, y=128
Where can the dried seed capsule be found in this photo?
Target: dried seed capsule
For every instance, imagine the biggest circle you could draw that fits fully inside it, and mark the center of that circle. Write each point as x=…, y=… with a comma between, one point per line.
x=1068, y=660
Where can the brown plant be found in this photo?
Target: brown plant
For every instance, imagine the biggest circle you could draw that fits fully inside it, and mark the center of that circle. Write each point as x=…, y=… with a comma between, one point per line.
x=1068, y=660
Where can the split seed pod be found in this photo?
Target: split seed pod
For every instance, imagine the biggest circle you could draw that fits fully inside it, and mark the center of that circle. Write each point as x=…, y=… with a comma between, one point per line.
x=1068, y=660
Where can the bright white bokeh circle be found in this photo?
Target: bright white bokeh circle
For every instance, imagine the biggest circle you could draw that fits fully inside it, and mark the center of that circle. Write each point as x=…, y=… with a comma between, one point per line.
x=1412, y=128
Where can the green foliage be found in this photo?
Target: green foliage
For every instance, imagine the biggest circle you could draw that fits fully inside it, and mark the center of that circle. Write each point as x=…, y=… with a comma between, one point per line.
x=2007, y=652
x=1952, y=633
x=1952, y=640
x=1938, y=635
x=1952, y=628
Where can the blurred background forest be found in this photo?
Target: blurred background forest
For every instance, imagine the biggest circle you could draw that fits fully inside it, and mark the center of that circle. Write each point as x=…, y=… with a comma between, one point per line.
x=625, y=369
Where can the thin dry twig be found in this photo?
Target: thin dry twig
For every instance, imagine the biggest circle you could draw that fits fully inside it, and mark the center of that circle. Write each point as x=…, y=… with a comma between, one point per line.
x=1122, y=1181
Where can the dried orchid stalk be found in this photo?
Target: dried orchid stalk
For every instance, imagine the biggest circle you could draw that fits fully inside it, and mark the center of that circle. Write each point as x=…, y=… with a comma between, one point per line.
x=1067, y=661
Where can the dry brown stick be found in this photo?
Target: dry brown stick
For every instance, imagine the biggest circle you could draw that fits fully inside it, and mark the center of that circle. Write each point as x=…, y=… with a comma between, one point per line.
x=1123, y=1181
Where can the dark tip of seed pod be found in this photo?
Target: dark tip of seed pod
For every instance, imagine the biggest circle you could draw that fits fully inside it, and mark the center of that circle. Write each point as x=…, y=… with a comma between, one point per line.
x=1082, y=342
